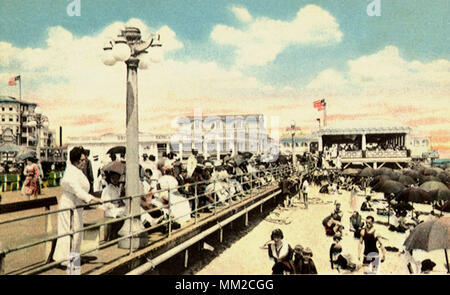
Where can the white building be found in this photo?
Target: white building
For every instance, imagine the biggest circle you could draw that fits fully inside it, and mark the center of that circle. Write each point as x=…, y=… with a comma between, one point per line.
x=17, y=127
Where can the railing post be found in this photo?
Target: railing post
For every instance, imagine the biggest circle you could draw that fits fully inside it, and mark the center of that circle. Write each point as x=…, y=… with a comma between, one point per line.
x=2, y=261
x=215, y=197
x=71, y=256
x=130, y=200
x=48, y=229
x=170, y=213
x=186, y=257
x=5, y=182
x=246, y=217
x=195, y=203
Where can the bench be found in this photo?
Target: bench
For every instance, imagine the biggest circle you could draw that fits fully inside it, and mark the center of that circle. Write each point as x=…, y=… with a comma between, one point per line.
x=10, y=182
x=48, y=235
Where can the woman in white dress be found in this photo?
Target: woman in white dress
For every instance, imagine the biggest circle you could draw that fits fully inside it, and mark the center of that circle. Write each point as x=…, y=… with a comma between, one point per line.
x=180, y=209
x=75, y=192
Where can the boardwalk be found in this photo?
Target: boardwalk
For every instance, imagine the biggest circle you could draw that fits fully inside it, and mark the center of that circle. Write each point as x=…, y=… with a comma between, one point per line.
x=109, y=259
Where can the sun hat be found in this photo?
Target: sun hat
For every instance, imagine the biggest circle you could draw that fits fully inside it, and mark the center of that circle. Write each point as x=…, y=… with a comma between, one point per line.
x=298, y=249
x=308, y=251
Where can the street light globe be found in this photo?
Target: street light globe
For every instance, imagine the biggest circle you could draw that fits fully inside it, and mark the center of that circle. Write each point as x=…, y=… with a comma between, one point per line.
x=156, y=54
x=32, y=124
x=144, y=61
x=121, y=51
x=38, y=111
x=45, y=124
x=107, y=57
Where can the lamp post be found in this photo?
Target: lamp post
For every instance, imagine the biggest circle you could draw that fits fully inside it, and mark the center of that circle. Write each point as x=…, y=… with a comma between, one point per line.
x=293, y=134
x=131, y=49
x=38, y=120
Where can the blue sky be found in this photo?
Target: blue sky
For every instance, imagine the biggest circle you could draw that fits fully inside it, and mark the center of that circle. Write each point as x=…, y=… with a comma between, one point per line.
x=418, y=28
x=408, y=43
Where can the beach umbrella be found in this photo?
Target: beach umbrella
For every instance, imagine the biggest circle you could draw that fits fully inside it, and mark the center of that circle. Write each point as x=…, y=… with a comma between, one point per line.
x=117, y=150
x=9, y=148
x=438, y=170
x=366, y=172
x=433, y=185
x=444, y=177
x=415, y=195
x=440, y=194
x=396, y=175
x=406, y=180
x=115, y=166
x=26, y=155
x=389, y=187
x=386, y=171
x=402, y=206
x=413, y=173
x=445, y=207
x=431, y=235
x=378, y=179
x=429, y=171
x=424, y=179
x=350, y=171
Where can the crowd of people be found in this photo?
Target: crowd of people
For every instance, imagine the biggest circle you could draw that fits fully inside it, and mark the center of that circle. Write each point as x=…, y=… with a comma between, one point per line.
x=179, y=190
x=288, y=260
x=171, y=188
x=371, y=249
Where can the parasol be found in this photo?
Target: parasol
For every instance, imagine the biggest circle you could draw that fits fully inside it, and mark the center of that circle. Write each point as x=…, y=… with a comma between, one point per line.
x=366, y=172
x=117, y=150
x=116, y=167
x=431, y=235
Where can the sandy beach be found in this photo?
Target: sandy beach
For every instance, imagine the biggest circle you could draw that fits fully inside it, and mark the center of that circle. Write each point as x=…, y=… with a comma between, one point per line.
x=247, y=257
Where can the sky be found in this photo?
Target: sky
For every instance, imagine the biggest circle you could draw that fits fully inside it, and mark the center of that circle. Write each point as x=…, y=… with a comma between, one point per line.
x=235, y=57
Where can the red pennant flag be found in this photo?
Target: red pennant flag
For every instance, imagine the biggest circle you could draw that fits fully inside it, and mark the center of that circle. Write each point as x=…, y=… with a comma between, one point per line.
x=12, y=80
x=317, y=103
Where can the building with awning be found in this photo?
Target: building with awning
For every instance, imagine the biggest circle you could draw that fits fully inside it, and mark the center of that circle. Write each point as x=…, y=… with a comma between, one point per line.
x=369, y=146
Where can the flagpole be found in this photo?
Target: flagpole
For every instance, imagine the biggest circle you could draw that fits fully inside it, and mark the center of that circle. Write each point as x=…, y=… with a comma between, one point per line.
x=324, y=113
x=20, y=88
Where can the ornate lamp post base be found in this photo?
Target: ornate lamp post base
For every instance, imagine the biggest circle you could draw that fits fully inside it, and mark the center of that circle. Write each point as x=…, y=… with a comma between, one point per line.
x=135, y=242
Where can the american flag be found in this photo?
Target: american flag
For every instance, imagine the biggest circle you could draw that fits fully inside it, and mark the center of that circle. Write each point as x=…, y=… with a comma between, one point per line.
x=12, y=80
x=319, y=104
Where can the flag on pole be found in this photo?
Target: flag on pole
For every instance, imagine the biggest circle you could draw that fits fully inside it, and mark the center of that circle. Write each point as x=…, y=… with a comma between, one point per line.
x=12, y=80
x=319, y=104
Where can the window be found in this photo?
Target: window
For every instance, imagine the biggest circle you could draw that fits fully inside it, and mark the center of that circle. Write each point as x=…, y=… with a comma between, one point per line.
x=3, y=109
x=3, y=118
x=11, y=119
x=17, y=118
x=10, y=109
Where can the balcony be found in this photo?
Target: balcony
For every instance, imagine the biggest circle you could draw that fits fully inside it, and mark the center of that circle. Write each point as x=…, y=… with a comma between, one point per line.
x=387, y=154
x=350, y=154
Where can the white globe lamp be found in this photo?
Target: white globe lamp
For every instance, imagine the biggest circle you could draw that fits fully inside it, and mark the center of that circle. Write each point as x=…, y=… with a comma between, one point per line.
x=121, y=50
x=156, y=54
x=144, y=61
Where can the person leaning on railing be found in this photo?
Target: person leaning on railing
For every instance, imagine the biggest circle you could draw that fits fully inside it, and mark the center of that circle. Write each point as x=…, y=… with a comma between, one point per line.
x=75, y=192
